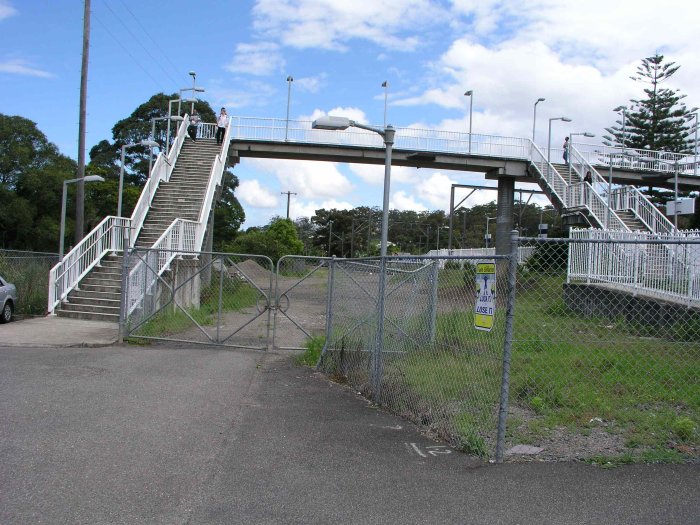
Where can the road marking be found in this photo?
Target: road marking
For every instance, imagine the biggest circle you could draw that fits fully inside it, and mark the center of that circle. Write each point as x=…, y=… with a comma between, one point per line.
x=433, y=450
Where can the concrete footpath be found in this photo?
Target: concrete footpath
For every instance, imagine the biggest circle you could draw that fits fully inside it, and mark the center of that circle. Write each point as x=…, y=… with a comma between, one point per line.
x=204, y=435
x=57, y=331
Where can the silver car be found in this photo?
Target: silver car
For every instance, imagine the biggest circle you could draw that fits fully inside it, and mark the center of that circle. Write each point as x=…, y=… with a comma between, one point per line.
x=8, y=300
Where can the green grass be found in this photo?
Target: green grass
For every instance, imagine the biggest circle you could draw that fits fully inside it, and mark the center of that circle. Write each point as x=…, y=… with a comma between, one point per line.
x=169, y=320
x=565, y=371
x=310, y=356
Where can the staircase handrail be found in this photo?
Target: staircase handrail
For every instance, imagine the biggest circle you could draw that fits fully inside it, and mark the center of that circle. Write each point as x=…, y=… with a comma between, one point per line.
x=626, y=197
x=161, y=172
x=629, y=197
x=178, y=238
x=639, y=159
x=106, y=237
x=215, y=176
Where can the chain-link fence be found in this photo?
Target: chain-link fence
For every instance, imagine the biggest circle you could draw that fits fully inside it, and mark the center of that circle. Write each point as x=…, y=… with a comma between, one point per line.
x=594, y=368
x=29, y=272
x=408, y=341
x=213, y=298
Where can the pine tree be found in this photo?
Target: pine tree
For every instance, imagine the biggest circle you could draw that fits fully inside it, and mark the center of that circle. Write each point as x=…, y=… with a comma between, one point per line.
x=659, y=122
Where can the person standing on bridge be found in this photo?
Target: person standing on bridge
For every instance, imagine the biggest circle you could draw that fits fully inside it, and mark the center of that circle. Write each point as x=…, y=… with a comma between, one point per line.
x=194, y=124
x=221, y=123
x=566, y=150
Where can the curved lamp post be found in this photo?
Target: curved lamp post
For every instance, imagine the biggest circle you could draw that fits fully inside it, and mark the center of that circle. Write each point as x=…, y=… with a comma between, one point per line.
x=88, y=178
x=534, y=118
x=385, y=85
x=174, y=118
x=290, y=79
x=342, y=123
x=549, y=142
x=470, y=94
x=145, y=143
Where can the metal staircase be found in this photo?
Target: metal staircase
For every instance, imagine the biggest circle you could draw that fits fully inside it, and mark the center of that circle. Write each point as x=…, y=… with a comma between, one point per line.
x=182, y=196
x=175, y=205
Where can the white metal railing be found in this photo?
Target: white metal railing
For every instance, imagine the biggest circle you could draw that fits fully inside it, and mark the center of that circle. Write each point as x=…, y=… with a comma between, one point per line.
x=104, y=238
x=217, y=171
x=177, y=239
x=417, y=139
x=633, y=262
x=638, y=159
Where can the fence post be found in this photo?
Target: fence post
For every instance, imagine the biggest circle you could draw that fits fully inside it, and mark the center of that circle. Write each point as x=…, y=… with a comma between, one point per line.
x=125, y=280
x=329, y=311
x=377, y=357
x=507, y=345
x=434, y=299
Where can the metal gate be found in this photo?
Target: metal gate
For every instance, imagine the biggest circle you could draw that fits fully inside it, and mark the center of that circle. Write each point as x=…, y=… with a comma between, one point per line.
x=224, y=299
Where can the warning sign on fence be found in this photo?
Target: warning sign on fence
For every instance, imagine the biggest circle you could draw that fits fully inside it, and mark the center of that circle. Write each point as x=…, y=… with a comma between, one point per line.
x=485, y=295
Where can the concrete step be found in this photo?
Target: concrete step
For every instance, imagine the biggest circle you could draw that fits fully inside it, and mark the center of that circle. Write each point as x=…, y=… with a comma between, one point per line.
x=88, y=315
x=100, y=287
x=92, y=308
x=96, y=298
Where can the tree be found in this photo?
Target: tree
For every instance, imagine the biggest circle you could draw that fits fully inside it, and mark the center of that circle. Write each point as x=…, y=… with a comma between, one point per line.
x=32, y=172
x=660, y=120
x=228, y=214
x=277, y=239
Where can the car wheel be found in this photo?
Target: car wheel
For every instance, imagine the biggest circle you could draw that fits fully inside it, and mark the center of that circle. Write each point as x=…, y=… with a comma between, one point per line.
x=6, y=315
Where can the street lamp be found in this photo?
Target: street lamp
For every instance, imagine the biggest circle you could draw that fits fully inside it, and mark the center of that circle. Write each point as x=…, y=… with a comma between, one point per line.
x=88, y=178
x=534, y=118
x=470, y=94
x=487, y=237
x=145, y=143
x=571, y=145
x=549, y=140
x=290, y=79
x=341, y=123
x=623, y=110
x=385, y=85
x=174, y=118
x=193, y=89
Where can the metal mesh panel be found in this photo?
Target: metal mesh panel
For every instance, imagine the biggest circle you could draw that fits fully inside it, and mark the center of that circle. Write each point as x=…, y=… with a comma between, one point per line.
x=601, y=366
x=200, y=298
x=29, y=272
x=301, y=289
x=427, y=361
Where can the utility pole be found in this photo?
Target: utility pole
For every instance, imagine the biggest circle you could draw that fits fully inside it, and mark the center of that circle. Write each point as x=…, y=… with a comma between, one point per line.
x=288, y=194
x=80, y=193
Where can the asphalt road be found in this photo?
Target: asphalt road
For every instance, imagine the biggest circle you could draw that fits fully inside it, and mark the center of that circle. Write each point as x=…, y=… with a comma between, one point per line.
x=201, y=435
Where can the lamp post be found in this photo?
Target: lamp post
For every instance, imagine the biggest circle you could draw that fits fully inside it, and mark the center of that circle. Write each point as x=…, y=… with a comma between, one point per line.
x=175, y=118
x=470, y=94
x=341, y=123
x=330, y=234
x=487, y=237
x=571, y=145
x=549, y=141
x=385, y=85
x=290, y=79
x=623, y=110
x=88, y=178
x=675, y=189
x=145, y=143
x=534, y=118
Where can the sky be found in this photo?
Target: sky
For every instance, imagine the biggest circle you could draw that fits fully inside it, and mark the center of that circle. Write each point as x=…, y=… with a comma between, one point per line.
x=579, y=56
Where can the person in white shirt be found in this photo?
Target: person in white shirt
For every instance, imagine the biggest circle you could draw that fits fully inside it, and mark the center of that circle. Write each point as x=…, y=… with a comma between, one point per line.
x=221, y=122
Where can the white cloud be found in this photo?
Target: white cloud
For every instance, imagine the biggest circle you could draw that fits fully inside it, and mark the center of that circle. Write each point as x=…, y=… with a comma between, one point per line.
x=261, y=59
x=436, y=190
x=309, y=179
x=330, y=24
x=245, y=94
x=6, y=9
x=311, y=84
x=308, y=209
x=355, y=114
x=402, y=201
x=374, y=174
x=22, y=67
x=250, y=192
